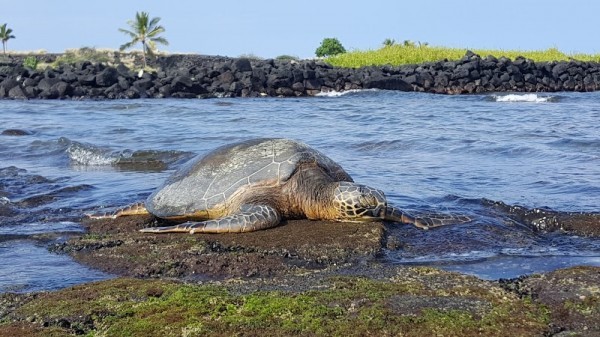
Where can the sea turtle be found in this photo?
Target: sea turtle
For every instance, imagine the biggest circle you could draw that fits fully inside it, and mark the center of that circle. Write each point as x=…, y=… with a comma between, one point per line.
x=254, y=184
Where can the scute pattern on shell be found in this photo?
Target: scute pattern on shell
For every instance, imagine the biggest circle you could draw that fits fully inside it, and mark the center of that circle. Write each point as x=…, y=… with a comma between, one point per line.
x=206, y=182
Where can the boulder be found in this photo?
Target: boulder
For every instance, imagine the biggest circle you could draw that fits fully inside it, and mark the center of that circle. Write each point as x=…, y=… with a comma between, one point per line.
x=394, y=82
x=123, y=83
x=89, y=79
x=165, y=90
x=9, y=83
x=225, y=78
x=181, y=83
x=242, y=65
x=17, y=93
x=123, y=71
x=313, y=84
x=62, y=89
x=144, y=83
x=107, y=77
x=559, y=69
x=47, y=82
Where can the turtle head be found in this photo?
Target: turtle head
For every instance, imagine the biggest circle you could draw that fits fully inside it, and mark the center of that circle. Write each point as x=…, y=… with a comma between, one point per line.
x=359, y=202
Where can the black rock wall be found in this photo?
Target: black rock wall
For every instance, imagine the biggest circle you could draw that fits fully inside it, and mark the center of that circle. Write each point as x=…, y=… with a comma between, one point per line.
x=195, y=76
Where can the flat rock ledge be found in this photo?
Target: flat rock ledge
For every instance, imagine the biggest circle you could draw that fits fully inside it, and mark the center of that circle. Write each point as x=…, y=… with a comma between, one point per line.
x=115, y=246
x=198, y=76
x=303, y=278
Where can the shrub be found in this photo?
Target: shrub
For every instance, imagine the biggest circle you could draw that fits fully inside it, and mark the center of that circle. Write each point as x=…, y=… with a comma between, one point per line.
x=251, y=56
x=73, y=56
x=30, y=62
x=330, y=47
x=400, y=54
x=287, y=58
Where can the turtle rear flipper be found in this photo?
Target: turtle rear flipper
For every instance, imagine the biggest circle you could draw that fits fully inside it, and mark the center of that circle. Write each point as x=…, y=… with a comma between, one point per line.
x=134, y=209
x=250, y=218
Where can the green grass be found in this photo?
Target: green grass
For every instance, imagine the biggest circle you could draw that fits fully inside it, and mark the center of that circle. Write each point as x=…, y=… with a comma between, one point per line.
x=398, y=55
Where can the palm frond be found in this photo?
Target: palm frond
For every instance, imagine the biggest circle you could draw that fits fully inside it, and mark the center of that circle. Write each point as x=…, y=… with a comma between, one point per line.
x=128, y=32
x=160, y=40
x=153, y=22
x=128, y=45
x=155, y=31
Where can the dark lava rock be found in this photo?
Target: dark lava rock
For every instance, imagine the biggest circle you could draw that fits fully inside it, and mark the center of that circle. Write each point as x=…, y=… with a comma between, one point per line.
x=388, y=83
x=107, y=77
x=294, y=246
x=16, y=132
x=17, y=93
x=585, y=224
x=571, y=295
x=215, y=76
x=242, y=65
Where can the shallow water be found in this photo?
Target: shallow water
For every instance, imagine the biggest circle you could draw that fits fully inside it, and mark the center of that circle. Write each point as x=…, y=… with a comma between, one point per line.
x=429, y=153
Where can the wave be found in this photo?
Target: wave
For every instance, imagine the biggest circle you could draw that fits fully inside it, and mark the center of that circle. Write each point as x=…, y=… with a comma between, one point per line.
x=31, y=228
x=88, y=155
x=334, y=93
x=532, y=98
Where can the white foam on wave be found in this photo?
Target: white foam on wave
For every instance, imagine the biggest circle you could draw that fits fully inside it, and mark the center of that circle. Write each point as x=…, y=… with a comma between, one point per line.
x=80, y=155
x=40, y=228
x=533, y=98
x=475, y=255
x=334, y=93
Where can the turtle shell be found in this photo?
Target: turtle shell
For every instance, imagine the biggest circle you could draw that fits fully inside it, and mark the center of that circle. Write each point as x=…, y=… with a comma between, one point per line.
x=207, y=182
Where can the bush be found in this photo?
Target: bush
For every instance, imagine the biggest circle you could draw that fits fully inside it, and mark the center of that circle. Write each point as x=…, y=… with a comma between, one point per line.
x=73, y=56
x=250, y=56
x=399, y=54
x=329, y=47
x=287, y=58
x=30, y=62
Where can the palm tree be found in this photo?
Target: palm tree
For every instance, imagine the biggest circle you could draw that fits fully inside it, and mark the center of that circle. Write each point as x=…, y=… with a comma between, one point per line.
x=389, y=42
x=146, y=31
x=5, y=35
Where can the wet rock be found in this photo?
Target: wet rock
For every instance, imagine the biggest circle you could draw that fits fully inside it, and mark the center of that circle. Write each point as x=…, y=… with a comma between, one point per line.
x=585, y=224
x=387, y=83
x=17, y=93
x=9, y=83
x=294, y=246
x=572, y=296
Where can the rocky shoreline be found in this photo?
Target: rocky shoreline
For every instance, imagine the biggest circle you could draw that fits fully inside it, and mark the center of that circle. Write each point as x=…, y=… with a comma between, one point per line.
x=197, y=76
x=304, y=278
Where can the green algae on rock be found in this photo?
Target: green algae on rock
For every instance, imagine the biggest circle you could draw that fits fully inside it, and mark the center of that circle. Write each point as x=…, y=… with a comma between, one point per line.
x=444, y=304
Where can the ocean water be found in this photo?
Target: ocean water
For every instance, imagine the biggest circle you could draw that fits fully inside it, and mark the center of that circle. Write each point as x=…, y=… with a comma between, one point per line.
x=429, y=153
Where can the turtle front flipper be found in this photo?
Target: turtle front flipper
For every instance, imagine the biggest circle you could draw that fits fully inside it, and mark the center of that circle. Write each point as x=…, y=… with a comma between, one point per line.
x=134, y=209
x=437, y=220
x=250, y=218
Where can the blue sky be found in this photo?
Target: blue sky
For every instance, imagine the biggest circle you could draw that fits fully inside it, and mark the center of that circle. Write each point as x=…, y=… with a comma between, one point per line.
x=274, y=27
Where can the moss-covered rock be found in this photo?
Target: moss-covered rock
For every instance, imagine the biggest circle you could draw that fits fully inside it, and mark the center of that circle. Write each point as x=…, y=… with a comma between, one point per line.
x=572, y=296
x=410, y=302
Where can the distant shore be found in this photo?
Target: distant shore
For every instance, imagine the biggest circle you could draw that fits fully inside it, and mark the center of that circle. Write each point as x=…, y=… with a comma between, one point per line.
x=199, y=76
